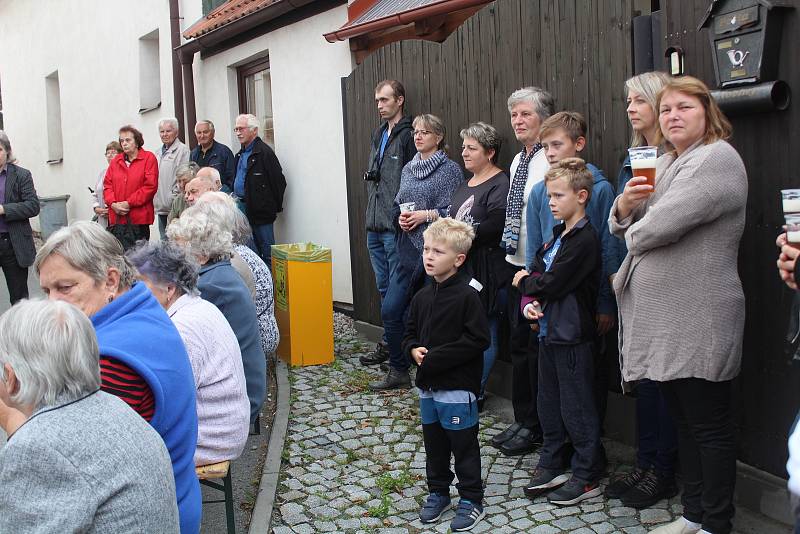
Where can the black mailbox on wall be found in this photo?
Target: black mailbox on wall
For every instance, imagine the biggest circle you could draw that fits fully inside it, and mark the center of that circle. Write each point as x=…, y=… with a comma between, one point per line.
x=745, y=40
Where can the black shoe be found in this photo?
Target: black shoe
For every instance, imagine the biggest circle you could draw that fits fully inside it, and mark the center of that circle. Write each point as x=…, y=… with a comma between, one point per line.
x=379, y=355
x=395, y=379
x=650, y=489
x=543, y=481
x=506, y=435
x=384, y=367
x=622, y=484
x=574, y=491
x=524, y=442
x=481, y=404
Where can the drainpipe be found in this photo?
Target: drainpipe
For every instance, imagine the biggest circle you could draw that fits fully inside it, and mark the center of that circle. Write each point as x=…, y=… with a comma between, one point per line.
x=177, y=81
x=188, y=87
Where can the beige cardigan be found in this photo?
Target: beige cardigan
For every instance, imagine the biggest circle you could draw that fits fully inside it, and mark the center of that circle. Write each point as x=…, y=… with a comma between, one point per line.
x=681, y=305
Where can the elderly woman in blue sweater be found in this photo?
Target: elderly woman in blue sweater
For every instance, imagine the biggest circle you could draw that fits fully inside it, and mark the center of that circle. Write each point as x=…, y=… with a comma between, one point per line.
x=427, y=183
x=207, y=237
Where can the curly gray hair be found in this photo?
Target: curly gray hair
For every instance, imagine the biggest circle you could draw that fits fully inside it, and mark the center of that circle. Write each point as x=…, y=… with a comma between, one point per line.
x=486, y=135
x=166, y=264
x=240, y=226
x=186, y=171
x=90, y=248
x=541, y=100
x=205, y=235
x=52, y=349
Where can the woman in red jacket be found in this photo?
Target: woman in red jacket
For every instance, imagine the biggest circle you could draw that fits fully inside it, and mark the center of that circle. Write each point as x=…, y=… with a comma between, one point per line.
x=130, y=185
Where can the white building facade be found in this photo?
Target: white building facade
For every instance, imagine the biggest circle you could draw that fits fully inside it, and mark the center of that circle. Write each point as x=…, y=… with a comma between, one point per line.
x=72, y=73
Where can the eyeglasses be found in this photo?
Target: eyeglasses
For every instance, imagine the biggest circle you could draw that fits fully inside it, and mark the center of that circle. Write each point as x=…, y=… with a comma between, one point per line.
x=423, y=133
x=239, y=129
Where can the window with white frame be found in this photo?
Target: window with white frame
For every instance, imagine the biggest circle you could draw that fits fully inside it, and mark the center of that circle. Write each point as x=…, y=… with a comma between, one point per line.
x=55, y=140
x=149, y=73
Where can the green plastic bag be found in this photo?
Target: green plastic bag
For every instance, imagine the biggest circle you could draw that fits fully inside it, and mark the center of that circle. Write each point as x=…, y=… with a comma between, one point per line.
x=306, y=252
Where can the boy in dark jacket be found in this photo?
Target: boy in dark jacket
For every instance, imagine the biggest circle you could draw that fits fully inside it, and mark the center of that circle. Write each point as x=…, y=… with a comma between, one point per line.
x=446, y=334
x=562, y=296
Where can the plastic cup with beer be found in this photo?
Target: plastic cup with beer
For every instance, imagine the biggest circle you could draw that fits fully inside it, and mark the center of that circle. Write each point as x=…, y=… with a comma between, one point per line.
x=405, y=207
x=643, y=162
x=793, y=229
x=791, y=200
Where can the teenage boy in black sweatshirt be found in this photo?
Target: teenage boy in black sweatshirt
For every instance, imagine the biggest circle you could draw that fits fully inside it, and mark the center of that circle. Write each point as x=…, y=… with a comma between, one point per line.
x=446, y=334
x=561, y=293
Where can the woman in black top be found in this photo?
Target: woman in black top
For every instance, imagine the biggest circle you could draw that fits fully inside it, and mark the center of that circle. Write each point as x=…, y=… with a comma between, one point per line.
x=481, y=202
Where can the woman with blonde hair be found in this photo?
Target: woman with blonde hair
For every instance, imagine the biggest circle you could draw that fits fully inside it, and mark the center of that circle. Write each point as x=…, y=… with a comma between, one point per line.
x=680, y=297
x=653, y=478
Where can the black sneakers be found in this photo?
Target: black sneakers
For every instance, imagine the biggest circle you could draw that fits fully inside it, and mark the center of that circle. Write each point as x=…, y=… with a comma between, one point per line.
x=524, y=441
x=543, y=481
x=505, y=435
x=377, y=356
x=649, y=490
x=574, y=491
x=622, y=484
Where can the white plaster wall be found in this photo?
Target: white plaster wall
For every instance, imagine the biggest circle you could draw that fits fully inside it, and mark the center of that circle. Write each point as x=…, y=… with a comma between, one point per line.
x=306, y=75
x=93, y=44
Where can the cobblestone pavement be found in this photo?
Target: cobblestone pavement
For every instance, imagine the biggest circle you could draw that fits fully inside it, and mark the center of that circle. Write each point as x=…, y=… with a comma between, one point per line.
x=354, y=461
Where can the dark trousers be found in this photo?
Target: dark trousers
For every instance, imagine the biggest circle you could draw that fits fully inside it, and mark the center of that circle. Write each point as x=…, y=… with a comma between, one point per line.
x=463, y=444
x=394, y=312
x=657, y=437
x=706, y=448
x=524, y=348
x=16, y=276
x=162, y=226
x=567, y=408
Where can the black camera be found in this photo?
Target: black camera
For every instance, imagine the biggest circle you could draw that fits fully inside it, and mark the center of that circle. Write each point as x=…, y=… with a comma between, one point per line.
x=372, y=176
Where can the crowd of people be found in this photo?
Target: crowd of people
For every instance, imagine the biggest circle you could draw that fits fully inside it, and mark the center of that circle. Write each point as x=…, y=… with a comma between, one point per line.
x=158, y=365
x=572, y=266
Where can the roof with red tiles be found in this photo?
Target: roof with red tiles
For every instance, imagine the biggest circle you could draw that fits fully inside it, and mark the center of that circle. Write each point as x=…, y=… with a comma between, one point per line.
x=225, y=14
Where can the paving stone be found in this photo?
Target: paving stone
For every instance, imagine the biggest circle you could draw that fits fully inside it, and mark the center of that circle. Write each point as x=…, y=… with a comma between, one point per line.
x=654, y=515
x=543, y=517
x=622, y=522
x=603, y=528
x=303, y=528
x=568, y=523
x=622, y=511
x=523, y=523
x=594, y=517
x=325, y=526
x=545, y=529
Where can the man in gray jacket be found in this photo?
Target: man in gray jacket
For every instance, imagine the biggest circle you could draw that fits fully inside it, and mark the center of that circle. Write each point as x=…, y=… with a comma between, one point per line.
x=391, y=148
x=173, y=152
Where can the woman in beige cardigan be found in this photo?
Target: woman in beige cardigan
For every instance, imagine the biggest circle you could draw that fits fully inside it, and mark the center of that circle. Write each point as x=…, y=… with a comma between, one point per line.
x=679, y=294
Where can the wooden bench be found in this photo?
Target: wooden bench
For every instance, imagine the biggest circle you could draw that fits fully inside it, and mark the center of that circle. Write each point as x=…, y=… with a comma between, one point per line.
x=207, y=474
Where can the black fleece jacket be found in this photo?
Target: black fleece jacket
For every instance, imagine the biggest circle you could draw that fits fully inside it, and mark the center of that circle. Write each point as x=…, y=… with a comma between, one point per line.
x=569, y=289
x=448, y=319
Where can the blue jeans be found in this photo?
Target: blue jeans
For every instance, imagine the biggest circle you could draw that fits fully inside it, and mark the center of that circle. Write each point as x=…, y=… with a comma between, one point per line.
x=567, y=407
x=490, y=354
x=383, y=256
x=658, y=438
x=264, y=237
x=394, y=311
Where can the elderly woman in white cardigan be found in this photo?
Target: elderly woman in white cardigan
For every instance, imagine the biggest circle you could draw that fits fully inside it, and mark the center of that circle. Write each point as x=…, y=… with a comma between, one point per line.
x=77, y=459
x=223, y=411
x=680, y=299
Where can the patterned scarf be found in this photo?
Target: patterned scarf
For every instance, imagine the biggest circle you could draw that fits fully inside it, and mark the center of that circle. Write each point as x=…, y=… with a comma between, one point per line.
x=516, y=198
x=422, y=168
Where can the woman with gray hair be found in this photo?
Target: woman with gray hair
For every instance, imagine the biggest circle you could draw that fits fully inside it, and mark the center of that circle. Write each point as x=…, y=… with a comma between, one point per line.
x=207, y=238
x=18, y=203
x=143, y=360
x=262, y=277
x=481, y=202
x=223, y=411
x=77, y=458
x=184, y=174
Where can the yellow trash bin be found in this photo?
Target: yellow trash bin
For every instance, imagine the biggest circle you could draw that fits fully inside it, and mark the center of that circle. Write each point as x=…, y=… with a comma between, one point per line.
x=303, y=302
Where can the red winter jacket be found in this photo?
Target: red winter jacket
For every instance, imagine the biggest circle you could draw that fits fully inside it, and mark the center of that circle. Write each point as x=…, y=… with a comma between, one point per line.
x=136, y=184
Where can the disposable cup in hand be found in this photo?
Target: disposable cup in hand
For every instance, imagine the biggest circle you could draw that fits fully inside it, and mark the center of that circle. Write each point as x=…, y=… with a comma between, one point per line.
x=405, y=207
x=793, y=230
x=791, y=200
x=643, y=162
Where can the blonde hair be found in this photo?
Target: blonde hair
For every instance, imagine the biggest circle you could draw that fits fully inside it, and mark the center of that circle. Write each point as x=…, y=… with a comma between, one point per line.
x=574, y=171
x=435, y=125
x=648, y=85
x=717, y=125
x=456, y=234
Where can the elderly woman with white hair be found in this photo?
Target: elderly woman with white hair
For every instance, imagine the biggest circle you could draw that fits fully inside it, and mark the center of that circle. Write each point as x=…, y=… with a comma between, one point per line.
x=262, y=277
x=223, y=411
x=77, y=459
x=142, y=357
x=208, y=240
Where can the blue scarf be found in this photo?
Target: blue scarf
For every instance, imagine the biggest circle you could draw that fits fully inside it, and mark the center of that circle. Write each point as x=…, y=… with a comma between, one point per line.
x=516, y=199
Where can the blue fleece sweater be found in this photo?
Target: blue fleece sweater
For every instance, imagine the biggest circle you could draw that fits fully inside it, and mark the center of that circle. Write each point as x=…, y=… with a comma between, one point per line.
x=136, y=330
x=620, y=249
x=222, y=286
x=540, y=222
